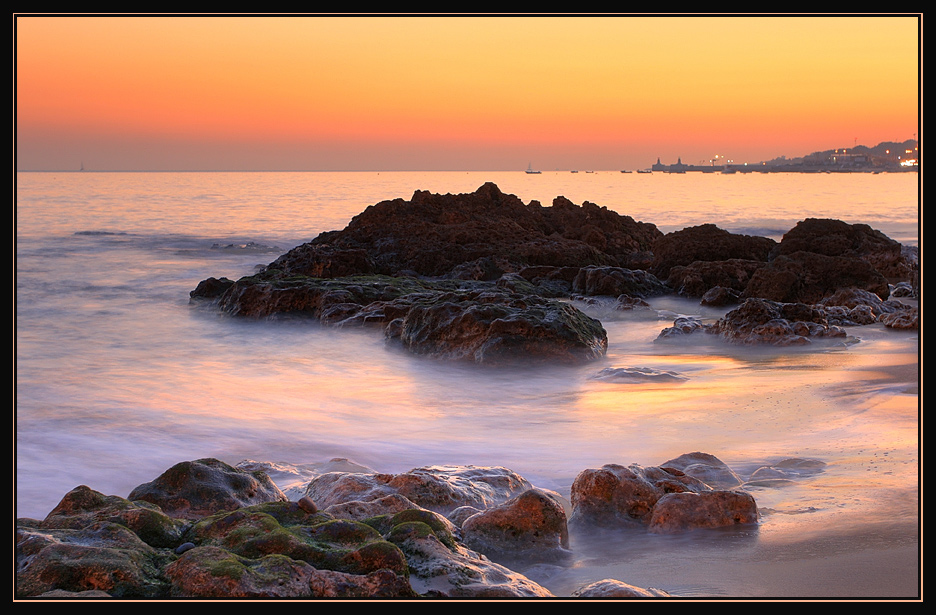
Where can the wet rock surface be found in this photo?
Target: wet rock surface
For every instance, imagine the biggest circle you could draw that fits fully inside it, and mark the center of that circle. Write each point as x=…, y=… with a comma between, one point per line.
x=437, y=531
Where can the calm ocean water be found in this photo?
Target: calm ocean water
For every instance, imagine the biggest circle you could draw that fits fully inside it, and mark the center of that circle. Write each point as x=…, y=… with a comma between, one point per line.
x=118, y=377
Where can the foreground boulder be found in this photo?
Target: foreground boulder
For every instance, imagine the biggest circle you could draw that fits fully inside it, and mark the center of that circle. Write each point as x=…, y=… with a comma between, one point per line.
x=680, y=512
x=102, y=556
x=212, y=572
x=659, y=499
x=529, y=526
x=615, y=495
x=194, y=489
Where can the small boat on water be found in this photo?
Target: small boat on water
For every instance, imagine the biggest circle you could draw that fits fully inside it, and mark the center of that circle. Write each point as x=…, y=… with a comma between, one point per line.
x=644, y=171
x=573, y=171
x=624, y=171
x=530, y=170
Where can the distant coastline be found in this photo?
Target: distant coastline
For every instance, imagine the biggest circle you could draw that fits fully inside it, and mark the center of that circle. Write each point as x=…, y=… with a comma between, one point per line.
x=886, y=157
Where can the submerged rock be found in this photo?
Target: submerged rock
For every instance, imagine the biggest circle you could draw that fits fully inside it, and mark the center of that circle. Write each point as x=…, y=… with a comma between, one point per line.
x=708, y=468
x=637, y=375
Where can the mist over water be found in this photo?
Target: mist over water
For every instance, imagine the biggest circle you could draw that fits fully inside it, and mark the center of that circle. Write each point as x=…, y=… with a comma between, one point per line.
x=118, y=377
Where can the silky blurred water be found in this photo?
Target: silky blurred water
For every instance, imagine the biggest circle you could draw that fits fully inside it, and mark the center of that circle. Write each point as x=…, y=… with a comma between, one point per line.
x=118, y=376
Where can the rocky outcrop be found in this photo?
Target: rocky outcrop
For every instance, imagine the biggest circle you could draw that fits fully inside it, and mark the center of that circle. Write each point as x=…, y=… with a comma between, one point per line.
x=472, y=235
x=475, y=277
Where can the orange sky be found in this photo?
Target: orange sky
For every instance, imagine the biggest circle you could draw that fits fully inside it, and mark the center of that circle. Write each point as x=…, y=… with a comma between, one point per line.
x=472, y=93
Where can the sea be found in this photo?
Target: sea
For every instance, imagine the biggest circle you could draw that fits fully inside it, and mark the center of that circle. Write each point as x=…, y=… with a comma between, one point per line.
x=119, y=375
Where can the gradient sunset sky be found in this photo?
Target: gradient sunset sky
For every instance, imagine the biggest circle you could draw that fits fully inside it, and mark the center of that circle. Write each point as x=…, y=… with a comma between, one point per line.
x=455, y=93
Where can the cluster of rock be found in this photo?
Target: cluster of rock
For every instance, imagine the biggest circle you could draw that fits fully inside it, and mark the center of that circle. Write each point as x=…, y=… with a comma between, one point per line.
x=485, y=278
x=209, y=530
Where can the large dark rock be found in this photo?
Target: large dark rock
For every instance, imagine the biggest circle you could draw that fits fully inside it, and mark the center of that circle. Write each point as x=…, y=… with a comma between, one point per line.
x=435, y=234
x=706, y=242
x=496, y=328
